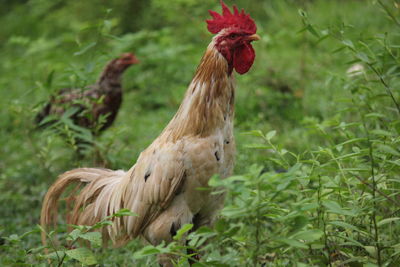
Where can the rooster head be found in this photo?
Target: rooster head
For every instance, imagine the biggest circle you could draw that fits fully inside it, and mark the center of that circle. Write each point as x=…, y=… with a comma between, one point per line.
x=235, y=32
x=124, y=61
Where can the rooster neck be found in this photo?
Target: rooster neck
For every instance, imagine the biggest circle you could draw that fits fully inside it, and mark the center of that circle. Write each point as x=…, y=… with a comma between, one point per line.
x=208, y=104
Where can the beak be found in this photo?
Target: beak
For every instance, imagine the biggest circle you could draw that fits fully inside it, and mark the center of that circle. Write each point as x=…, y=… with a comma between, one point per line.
x=134, y=60
x=253, y=37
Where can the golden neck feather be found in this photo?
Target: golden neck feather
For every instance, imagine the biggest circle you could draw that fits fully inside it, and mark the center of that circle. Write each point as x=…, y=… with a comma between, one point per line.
x=208, y=102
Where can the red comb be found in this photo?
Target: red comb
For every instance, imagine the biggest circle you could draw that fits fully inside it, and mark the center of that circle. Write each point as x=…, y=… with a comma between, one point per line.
x=227, y=19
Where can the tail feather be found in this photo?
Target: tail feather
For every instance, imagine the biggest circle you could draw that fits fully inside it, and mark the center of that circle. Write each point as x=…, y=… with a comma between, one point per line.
x=96, y=183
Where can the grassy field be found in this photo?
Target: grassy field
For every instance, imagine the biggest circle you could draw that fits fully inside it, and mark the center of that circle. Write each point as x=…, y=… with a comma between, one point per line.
x=316, y=180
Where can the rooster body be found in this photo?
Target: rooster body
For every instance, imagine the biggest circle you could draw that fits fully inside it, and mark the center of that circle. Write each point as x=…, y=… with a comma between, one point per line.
x=163, y=186
x=103, y=98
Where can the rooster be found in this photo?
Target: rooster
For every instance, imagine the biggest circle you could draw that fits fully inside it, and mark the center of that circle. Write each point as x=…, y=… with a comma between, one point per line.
x=101, y=99
x=162, y=187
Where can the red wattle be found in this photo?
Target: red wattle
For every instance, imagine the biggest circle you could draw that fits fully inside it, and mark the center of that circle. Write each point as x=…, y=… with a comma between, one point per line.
x=243, y=58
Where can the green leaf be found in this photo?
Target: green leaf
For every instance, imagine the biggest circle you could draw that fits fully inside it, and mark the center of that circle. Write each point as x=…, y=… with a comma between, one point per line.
x=56, y=255
x=381, y=132
x=102, y=224
x=85, y=49
x=348, y=43
x=334, y=207
x=302, y=13
x=309, y=206
x=323, y=37
x=344, y=225
x=312, y=30
x=256, y=133
x=395, y=162
x=375, y=115
x=83, y=255
x=146, y=251
x=299, y=223
x=93, y=237
x=363, y=57
x=309, y=235
x=354, y=140
x=221, y=225
x=231, y=232
x=257, y=146
x=69, y=112
x=371, y=250
x=351, y=241
x=73, y=235
x=388, y=149
x=49, y=79
x=182, y=231
x=270, y=135
x=292, y=242
x=124, y=212
x=388, y=220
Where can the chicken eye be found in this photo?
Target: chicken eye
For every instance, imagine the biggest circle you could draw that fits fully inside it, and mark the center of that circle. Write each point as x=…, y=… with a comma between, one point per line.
x=232, y=36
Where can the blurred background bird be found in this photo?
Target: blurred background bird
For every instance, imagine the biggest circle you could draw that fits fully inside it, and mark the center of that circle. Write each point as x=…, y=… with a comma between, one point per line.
x=93, y=107
x=162, y=187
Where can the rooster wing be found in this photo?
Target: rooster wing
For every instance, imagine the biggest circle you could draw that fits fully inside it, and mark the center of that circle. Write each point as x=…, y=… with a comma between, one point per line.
x=152, y=184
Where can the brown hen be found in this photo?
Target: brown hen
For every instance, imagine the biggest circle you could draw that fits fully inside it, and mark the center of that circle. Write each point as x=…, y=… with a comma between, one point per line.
x=102, y=99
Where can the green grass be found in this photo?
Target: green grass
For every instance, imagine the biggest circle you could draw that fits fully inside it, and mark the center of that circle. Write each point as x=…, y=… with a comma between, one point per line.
x=336, y=136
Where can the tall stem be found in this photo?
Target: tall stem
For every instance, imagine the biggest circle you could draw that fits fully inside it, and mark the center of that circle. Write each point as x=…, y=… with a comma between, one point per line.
x=388, y=89
x=374, y=188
